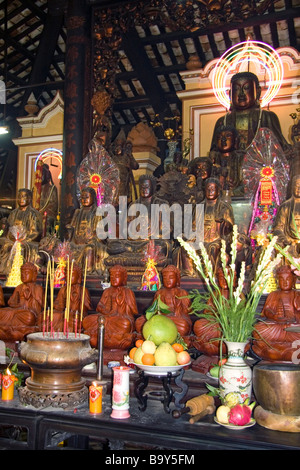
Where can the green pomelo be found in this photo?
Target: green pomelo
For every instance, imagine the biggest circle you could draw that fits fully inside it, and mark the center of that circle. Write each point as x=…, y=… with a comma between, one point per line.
x=160, y=329
x=165, y=355
x=137, y=357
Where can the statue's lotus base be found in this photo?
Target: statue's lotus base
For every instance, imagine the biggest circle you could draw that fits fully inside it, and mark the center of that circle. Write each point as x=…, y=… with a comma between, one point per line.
x=276, y=422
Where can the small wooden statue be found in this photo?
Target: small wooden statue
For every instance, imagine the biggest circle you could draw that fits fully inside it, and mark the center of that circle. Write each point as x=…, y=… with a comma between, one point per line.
x=271, y=339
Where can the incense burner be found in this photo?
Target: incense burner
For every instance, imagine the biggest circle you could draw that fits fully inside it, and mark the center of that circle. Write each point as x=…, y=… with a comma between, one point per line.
x=56, y=363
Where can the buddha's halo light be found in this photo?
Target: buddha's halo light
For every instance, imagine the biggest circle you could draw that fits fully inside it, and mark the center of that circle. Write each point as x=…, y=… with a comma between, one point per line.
x=245, y=54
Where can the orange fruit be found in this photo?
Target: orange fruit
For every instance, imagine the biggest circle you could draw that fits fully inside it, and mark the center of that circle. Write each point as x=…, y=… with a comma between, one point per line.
x=220, y=363
x=148, y=359
x=178, y=347
x=131, y=352
x=183, y=357
x=139, y=342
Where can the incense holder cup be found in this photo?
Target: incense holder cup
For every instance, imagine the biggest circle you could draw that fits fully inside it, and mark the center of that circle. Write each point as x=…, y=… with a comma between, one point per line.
x=56, y=364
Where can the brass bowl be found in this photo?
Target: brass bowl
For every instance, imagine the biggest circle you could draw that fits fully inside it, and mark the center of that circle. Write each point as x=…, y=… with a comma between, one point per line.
x=276, y=387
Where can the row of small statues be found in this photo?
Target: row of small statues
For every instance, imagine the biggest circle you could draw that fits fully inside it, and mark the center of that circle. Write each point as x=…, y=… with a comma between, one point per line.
x=123, y=324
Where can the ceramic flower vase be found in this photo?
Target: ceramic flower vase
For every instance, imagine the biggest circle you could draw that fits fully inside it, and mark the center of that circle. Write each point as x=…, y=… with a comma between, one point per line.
x=235, y=375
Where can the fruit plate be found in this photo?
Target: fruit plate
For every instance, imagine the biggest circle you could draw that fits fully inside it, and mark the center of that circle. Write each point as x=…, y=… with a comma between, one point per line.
x=235, y=427
x=160, y=370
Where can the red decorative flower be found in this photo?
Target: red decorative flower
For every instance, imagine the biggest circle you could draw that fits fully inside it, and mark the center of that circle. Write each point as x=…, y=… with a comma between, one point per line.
x=267, y=172
x=95, y=179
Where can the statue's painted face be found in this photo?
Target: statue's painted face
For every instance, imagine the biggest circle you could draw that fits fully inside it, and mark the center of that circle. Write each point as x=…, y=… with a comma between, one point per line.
x=243, y=93
x=28, y=273
x=169, y=279
x=116, y=278
x=87, y=199
x=146, y=188
x=211, y=191
x=226, y=141
x=24, y=199
x=285, y=281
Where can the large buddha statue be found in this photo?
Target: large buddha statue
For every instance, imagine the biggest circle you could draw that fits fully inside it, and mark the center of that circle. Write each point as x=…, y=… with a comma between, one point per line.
x=82, y=235
x=29, y=222
x=118, y=307
x=24, y=307
x=287, y=220
x=176, y=299
x=271, y=339
x=246, y=115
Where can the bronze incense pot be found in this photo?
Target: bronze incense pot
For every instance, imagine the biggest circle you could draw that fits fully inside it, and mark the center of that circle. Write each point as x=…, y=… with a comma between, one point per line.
x=56, y=363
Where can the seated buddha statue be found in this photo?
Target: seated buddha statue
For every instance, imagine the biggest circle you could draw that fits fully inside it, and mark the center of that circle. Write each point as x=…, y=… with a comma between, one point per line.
x=24, y=307
x=246, y=115
x=129, y=249
x=118, y=307
x=287, y=220
x=82, y=235
x=30, y=224
x=176, y=299
x=271, y=339
x=76, y=294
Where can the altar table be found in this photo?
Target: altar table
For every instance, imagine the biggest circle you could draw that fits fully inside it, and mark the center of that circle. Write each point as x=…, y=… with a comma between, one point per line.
x=152, y=428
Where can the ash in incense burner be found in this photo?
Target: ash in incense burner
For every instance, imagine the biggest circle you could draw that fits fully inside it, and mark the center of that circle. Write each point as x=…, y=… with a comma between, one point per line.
x=56, y=363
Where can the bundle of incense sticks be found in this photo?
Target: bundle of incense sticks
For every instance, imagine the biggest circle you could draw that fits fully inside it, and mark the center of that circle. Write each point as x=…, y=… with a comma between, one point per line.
x=48, y=313
x=49, y=316
x=83, y=295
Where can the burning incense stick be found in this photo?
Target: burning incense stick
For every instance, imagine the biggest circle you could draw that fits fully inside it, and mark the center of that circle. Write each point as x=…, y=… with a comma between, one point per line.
x=83, y=295
x=45, y=303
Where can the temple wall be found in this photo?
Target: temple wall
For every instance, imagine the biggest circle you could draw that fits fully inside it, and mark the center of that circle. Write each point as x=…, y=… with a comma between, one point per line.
x=39, y=132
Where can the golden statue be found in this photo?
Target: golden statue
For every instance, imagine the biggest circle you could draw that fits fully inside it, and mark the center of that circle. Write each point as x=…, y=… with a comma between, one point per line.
x=29, y=221
x=82, y=234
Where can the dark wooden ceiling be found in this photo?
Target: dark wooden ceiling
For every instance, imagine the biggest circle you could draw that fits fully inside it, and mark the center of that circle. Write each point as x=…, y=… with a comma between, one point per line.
x=158, y=38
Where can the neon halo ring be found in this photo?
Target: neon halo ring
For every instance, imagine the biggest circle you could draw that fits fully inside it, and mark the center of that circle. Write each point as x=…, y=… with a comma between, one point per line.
x=245, y=53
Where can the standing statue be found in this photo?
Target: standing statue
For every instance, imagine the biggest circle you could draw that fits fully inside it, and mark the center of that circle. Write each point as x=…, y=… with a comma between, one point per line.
x=82, y=234
x=49, y=198
x=121, y=152
x=246, y=115
x=177, y=300
x=29, y=221
x=118, y=307
x=24, y=307
x=218, y=219
x=271, y=339
x=227, y=160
